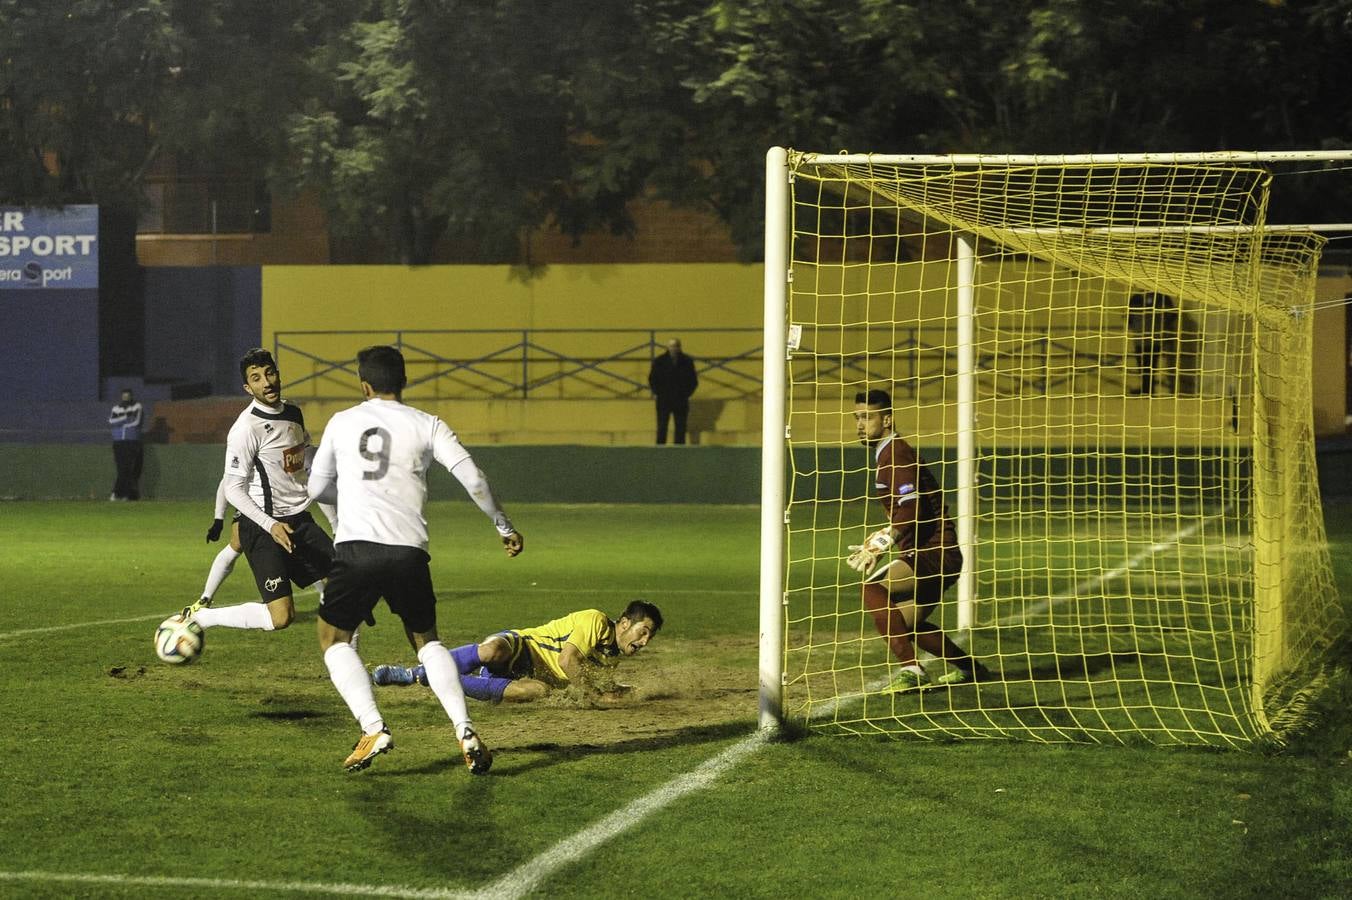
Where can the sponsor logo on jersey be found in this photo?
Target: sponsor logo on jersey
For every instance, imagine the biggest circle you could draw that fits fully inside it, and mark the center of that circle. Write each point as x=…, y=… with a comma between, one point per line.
x=293, y=459
x=272, y=583
x=234, y=462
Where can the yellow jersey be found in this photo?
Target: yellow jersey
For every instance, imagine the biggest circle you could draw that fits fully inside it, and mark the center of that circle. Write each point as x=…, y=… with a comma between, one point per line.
x=589, y=630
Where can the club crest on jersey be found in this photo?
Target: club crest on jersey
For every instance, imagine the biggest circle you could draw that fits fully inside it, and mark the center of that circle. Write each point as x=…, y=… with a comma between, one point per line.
x=267, y=427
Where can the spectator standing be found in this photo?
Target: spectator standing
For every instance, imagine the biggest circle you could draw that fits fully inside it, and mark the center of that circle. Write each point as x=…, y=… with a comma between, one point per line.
x=128, y=452
x=672, y=380
x=1152, y=321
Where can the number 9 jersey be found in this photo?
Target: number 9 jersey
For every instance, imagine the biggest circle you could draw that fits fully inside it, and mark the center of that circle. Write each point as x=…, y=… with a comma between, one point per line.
x=378, y=453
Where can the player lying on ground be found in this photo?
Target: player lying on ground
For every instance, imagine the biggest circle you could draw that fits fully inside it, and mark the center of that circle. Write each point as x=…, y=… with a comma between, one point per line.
x=900, y=592
x=526, y=664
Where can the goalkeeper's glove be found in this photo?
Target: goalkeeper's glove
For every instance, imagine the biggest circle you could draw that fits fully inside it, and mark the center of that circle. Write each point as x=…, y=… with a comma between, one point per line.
x=214, y=532
x=866, y=555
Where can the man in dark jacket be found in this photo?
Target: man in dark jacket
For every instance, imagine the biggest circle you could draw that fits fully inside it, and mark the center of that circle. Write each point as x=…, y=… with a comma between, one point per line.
x=672, y=380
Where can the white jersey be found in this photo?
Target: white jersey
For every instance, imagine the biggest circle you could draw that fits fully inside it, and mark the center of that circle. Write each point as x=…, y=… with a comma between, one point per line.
x=265, y=463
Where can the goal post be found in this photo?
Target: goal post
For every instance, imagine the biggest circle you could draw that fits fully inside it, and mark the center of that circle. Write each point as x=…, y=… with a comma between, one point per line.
x=1104, y=361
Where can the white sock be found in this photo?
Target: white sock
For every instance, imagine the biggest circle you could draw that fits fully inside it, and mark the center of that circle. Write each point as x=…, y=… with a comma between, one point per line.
x=246, y=615
x=348, y=674
x=221, y=567
x=444, y=680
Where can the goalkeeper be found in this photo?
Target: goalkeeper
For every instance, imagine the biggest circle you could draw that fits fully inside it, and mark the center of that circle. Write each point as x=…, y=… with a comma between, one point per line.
x=518, y=666
x=909, y=563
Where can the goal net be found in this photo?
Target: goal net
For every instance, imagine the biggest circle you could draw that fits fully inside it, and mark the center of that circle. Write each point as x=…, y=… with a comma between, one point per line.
x=1106, y=366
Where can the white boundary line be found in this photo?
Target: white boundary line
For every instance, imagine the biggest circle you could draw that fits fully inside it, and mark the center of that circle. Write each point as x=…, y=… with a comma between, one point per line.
x=527, y=877
x=747, y=592
x=230, y=884
x=1136, y=559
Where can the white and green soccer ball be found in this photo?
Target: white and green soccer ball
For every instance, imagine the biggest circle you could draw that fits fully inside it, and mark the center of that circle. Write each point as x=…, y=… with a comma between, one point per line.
x=179, y=640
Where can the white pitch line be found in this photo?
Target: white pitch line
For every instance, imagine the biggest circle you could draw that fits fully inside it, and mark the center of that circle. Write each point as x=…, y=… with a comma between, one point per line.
x=1111, y=575
x=230, y=884
x=50, y=628
x=146, y=618
x=527, y=877
x=749, y=592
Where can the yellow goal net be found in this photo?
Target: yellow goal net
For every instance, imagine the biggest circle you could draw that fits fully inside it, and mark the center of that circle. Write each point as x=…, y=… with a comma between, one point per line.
x=1104, y=364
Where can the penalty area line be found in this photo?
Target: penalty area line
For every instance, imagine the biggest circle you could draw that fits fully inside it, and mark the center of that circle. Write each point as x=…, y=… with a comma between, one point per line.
x=146, y=618
x=1095, y=581
x=230, y=884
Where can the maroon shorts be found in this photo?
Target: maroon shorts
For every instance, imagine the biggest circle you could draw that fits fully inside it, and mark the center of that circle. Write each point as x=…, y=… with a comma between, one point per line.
x=937, y=568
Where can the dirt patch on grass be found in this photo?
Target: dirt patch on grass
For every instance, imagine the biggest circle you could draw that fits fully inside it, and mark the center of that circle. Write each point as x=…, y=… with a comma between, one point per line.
x=681, y=689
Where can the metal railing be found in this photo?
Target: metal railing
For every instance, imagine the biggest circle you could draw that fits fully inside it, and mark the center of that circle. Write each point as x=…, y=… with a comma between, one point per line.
x=613, y=363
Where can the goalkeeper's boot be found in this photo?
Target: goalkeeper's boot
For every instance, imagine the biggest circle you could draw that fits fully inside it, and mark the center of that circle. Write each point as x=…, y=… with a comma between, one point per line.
x=907, y=680
x=420, y=675
x=956, y=676
x=478, y=758
x=367, y=748
x=384, y=675
x=193, y=608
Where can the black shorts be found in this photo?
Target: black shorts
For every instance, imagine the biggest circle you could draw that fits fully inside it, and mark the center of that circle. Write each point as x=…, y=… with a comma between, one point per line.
x=363, y=572
x=274, y=569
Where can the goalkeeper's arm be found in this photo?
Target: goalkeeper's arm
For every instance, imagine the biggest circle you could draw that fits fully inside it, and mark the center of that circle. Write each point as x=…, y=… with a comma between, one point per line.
x=866, y=555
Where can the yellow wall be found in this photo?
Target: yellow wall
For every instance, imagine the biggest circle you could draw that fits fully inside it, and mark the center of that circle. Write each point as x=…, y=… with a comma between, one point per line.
x=661, y=295
x=675, y=299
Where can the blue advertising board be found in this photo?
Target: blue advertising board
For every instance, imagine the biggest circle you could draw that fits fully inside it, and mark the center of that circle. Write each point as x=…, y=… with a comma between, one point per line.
x=49, y=248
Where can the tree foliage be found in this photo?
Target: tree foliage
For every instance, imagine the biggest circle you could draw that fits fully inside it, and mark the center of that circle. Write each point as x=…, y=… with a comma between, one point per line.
x=427, y=123
x=463, y=121
x=1055, y=76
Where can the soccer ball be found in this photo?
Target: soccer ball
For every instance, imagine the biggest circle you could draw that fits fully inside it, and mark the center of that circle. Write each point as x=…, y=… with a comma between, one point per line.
x=178, y=640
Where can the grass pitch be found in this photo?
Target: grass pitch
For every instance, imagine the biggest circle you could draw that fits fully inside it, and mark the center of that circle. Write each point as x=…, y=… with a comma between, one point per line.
x=125, y=777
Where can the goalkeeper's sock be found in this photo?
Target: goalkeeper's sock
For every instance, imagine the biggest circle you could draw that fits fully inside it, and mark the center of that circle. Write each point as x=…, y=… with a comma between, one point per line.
x=247, y=615
x=348, y=675
x=445, y=683
x=488, y=689
x=891, y=624
x=932, y=640
x=221, y=567
x=466, y=658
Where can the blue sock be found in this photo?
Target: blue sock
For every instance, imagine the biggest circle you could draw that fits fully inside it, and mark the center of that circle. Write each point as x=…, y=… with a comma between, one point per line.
x=466, y=658
x=481, y=688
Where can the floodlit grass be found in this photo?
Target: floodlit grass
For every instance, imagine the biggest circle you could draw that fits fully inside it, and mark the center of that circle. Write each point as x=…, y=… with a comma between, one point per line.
x=117, y=765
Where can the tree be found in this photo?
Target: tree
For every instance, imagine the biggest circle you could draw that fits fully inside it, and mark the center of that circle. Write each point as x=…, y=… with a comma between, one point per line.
x=78, y=89
x=446, y=120
x=1057, y=76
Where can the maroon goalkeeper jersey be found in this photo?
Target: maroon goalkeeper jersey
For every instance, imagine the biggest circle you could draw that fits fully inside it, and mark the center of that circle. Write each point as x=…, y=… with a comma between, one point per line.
x=910, y=494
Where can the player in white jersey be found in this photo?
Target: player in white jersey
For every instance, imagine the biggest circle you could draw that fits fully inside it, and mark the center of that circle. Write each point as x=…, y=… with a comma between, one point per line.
x=265, y=462
x=225, y=560
x=377, y=453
